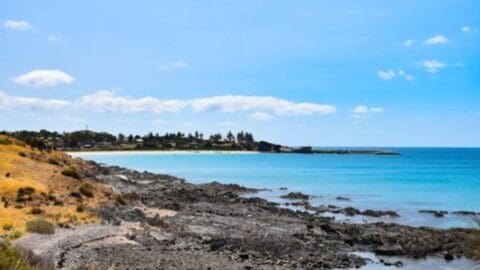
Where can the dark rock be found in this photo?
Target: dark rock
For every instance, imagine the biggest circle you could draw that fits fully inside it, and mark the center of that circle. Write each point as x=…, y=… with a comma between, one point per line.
x=434, y=212
x=340, y=198
x=283, y=188
x=448, y=257
x=393, y=250
x=295, y=196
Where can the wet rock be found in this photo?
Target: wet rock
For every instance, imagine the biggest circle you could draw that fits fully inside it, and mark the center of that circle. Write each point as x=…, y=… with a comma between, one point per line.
x=435, y=213
x=295, y=196
x=379, y=213
x=340, y=198
x=448, y=257
x=389, y=250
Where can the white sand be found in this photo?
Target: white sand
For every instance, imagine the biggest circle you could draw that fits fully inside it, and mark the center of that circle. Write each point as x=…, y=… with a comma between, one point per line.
x=159, y=152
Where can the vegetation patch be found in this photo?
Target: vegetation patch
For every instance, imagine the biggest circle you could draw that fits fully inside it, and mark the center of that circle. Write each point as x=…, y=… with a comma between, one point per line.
x=40, y=226
x=71, y=172
x=22, y=154
x=86, y=190
x=11, y=259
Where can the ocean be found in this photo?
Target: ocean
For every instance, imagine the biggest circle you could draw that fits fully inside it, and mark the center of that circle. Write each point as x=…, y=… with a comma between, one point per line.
x=446, y=179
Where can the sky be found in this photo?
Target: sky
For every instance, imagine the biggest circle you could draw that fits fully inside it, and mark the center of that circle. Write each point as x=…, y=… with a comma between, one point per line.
x=324, y=73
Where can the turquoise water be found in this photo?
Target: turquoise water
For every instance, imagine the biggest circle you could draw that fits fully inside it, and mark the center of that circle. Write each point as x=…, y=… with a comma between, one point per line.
x=419, y=178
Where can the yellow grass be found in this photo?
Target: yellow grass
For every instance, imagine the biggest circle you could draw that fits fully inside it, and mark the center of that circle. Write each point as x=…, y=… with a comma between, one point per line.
x=34, y=170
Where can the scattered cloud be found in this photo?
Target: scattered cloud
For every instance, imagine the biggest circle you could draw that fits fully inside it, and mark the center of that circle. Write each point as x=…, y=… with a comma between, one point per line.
x=54, y=38
x=432, y=65
x=43, y=78
x=408, y=42
x=267, y=104
x=391, y=74
x=260, y=116
x=387, y=74
x=466, y=29
x=107, y=101
x=173, y=66
x=8, y=102
x=255, y=107
x=16, y=25
x=363, y=111
x=436, y=40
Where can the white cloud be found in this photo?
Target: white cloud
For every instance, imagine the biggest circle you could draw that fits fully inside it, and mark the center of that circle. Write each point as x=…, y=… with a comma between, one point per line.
x=256, y=107
x=391, y=74
x=172, y=66
x=54, y=38
x=466, y=29
x=8, y=102
x=260, y=116
x=16, y=25
x=432, y=65
x=435, y=40
x=408, y=42
x=362, y=111
x=272, y=105
x=387, y=74
x=107, y=101
x=43, y=78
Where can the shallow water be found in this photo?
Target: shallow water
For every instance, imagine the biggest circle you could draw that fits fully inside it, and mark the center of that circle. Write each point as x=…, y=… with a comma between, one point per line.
x=419, y=178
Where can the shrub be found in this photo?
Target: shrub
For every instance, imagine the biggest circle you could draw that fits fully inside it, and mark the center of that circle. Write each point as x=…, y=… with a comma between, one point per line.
x=120, y=200
x=11, y=258
x=58, y=203
x=86, y=190
x=76, y=194
x=25, y=191
x=81, y=208
x=15, y=235
x=40, y=226
x=53, y=162
x=71, y=172
x=36, y=211
x=7, y=226
x=22, y=154
x=5, y=141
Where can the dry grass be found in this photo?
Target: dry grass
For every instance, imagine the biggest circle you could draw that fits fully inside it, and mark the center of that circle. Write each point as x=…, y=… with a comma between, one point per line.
x=41, y=172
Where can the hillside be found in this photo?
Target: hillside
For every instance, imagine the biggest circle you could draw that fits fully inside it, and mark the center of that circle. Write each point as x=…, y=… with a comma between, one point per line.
x=38, y=184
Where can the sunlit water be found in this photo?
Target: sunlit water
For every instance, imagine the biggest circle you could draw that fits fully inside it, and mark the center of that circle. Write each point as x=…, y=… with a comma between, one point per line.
x=419, y=178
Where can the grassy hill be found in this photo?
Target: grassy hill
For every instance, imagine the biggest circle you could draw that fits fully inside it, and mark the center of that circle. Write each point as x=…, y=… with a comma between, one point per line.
x=48, y=186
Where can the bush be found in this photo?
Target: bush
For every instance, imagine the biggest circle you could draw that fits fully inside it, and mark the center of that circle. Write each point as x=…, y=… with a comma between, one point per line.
x=11, y=259
x=25, y=191
x=22, y=154
x=36, y=211
x=5, y=142
x=15, y=235
x=86, y=190
x=40, y=226
x=120, y=200
x=7, y=226
x=81, y=208
x=53, y=162
x=58, y=203
x=71, y=172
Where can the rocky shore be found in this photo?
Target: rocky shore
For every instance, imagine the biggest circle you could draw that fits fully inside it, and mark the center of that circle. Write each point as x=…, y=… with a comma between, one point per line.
x=168, y=223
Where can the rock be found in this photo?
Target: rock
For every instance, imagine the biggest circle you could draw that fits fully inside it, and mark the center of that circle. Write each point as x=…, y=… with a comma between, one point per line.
x=283, y=188
x=340, y=198
x=448, y=257
x=379, y=213
x=295, y=196
x=434, y=212
x=393, y=250
x=466, y=213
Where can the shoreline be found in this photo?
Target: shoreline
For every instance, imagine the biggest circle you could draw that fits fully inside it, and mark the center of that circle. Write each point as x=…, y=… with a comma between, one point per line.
x=212, y=226
x=155, y=152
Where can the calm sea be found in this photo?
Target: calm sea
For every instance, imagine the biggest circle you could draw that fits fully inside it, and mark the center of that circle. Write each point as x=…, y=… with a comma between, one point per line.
x=419, y=178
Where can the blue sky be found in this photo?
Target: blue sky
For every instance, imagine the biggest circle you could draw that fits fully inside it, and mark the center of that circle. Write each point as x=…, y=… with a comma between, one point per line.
x=336, y=73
